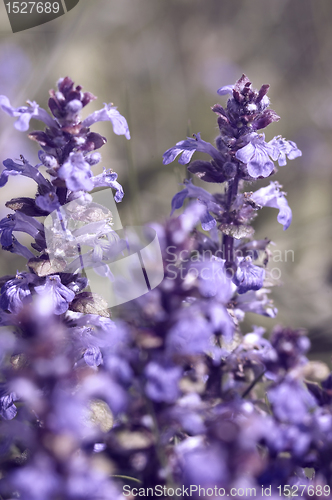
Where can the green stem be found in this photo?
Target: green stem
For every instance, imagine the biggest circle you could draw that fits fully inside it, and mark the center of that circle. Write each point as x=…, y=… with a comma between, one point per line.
x=253, y=383
x=159, y=449
x=126, y=477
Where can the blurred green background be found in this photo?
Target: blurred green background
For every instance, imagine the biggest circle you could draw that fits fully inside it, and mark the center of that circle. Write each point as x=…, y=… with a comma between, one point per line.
x=161, y=62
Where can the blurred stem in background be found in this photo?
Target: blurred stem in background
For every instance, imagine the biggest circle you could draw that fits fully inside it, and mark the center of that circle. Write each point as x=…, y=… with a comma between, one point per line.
x=132, y=173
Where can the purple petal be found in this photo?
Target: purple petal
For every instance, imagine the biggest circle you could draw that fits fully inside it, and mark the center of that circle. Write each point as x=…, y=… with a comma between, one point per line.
x=226, y=89
x=207, y=221
x=178, y=200
x=270, y=196
x=248, y=277
x=76, y=172
x=109, y=178
x=187, y=148
x=109, y=113
x=246, y=153
x=93, y=356
x=25, y=113
x=260, y=164
x=60, y=294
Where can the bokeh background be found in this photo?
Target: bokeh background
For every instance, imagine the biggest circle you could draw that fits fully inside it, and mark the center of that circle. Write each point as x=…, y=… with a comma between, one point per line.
x=161, y=62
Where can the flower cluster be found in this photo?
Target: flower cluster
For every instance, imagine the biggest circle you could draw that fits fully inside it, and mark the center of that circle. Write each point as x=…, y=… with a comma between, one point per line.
x=171, y=393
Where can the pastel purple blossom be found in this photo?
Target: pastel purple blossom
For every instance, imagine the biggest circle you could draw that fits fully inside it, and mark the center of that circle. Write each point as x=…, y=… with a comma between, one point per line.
x=203, y=196
x=109, y=179
x=109, y=113
x=206, y=467
x=16, y=292
x=18, y=222
x=291, y=401
x=7, y=408
x=25, y=113
x=61, y=296
x=38, y=480
x=190, y=334
x=256, y=155
x=76, y=172
x=248, y=276
x=286, y=149
x=187, y=148
x=256, y=302
x=25, y=169
x=93, y=356
x=226, y=89
x=271, y=196
x=162, y=382
x=48, y=202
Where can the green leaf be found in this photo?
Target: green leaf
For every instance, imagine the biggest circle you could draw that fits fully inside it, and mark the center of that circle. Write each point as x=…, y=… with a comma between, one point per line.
x=90, y=303
x=42, y=266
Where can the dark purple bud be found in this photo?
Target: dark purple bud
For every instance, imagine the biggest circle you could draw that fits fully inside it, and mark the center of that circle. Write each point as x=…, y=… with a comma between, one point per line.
x=262, y=92
x=268, y=116
x=94, y=141
x=207, y=171
x=217, y=108
x=43, y=139
x=55, y=108
x=87, y=97
x=229, y=169
x=27, y=206
x=65, y=85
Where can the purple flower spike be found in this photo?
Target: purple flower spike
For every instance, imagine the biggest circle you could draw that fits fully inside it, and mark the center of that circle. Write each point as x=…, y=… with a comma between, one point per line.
x=76, y=172
x=271, y=196
x=256, y=154
x=25, y=113
x=60, y=294
x=109, y=113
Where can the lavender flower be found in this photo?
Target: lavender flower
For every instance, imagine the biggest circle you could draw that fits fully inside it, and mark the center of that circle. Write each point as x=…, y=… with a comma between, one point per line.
x=109, y=113
x=25, y=113
x=60, y=295
x=248, y=277
x=16, y=292
x=256, y=155
x=76, y=172
x=271, y=196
